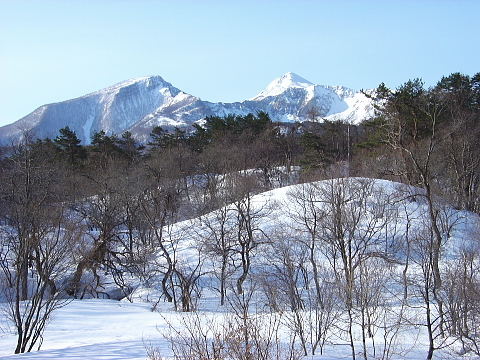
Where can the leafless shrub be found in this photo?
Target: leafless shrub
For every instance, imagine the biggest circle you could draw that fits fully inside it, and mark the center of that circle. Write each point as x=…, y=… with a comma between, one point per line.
x=236, y=335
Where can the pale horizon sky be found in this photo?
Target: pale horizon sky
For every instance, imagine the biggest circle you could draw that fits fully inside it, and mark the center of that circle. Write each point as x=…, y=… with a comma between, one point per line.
x=226, y=51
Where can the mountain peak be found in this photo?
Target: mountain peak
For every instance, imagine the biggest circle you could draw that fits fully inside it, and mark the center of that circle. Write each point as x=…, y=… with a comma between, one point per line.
x=293, y=79
x=280, y=84
x=145, y=81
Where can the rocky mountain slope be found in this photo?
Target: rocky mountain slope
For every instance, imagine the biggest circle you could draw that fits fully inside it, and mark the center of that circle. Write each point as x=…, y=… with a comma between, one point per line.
x=139, y=104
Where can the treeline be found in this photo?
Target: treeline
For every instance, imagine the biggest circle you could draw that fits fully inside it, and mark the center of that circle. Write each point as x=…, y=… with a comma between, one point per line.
x=244, y=142
x=70, y=212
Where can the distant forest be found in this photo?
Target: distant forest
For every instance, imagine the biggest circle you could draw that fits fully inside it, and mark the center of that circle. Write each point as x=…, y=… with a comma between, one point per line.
x=75, y=209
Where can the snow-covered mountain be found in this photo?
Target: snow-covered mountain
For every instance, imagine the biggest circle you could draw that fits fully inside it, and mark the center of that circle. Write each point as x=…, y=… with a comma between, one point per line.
x=290, y=97
x=139, y=104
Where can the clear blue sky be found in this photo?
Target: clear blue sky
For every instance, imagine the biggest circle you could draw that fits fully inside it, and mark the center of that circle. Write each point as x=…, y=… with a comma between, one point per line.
x=52, y=51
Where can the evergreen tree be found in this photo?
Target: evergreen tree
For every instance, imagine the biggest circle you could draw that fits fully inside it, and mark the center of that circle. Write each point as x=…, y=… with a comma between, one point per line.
x=69, y=146
x=314, y=152
x=129, y=146
x=105, y=149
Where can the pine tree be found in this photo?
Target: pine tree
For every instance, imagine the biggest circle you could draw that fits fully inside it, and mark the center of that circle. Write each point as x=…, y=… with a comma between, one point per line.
x=69, y=146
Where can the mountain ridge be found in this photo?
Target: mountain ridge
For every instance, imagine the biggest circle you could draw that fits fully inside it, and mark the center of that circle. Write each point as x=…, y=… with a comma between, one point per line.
x=139, y=104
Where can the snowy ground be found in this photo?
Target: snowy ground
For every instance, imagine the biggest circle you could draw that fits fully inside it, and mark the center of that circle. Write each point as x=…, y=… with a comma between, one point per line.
x=112, y=330
x=93, y=329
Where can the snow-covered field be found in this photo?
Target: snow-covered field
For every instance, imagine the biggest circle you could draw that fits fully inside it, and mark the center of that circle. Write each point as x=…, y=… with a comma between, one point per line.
x=93, y=329
x=113, y=330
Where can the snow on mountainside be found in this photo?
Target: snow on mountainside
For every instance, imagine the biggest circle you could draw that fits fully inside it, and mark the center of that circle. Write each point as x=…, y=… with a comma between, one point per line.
x=139, y=104
x=114, y=109
x=290, y=97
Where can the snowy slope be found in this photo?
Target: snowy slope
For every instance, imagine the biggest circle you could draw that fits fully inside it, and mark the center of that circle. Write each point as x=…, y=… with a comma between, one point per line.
x=139, y=104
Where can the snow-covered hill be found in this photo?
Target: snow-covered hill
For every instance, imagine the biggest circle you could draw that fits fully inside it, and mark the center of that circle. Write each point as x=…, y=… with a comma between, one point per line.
x=107, y=329
x=139, y=104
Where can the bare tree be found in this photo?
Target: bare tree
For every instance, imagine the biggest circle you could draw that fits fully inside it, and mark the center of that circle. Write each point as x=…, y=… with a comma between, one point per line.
x=462, y=294
x=102, y=213
x=306, y=210
x=159, y=205
x=413, y=122
x=248, y=233
x=36, y=240
x=341, y=225
x=284, y=281
x=217, y=240
x=187, y=277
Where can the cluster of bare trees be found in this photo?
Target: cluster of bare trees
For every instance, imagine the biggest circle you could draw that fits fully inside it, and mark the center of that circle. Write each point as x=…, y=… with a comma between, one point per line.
x=371, y=267
x=433, y=134
x=346, y=261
